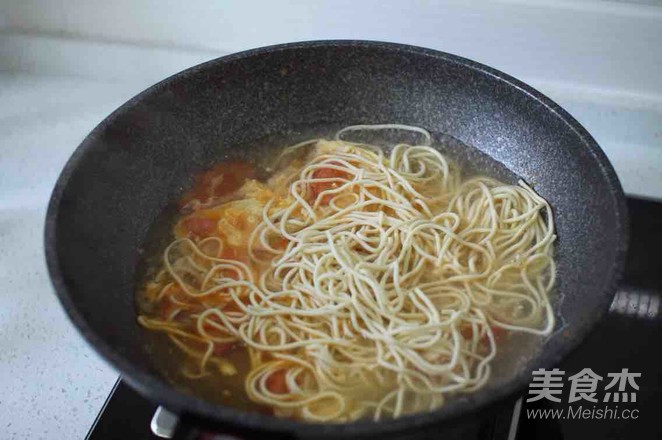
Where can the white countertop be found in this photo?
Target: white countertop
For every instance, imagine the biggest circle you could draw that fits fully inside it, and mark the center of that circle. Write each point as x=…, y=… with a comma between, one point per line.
x=52, y=384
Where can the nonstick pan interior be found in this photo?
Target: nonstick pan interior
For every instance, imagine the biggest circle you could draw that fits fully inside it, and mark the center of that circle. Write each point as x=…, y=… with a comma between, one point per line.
x=143, y=155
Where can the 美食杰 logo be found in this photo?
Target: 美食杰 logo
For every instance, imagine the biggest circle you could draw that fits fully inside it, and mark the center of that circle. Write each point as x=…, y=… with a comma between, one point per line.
x=585, y=387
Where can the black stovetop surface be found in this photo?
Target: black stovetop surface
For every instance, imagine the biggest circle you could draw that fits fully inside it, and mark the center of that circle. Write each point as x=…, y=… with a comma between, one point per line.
x=625, y=338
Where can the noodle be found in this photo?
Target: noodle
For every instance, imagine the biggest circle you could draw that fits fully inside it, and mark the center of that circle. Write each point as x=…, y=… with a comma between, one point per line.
x=374, y=287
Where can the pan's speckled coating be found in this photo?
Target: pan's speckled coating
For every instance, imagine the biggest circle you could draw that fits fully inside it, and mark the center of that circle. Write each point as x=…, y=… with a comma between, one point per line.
x=142, y=155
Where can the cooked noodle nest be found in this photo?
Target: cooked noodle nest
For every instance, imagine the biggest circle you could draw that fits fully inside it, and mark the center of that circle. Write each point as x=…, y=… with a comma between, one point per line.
x=392, y=276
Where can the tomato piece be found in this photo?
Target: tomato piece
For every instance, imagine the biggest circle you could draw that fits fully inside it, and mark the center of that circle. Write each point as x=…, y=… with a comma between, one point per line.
x=276, y=382
x=228, y=177
x=466, y=332
x=231, y=307
x=211, y=329
x=235, y=253
x=221, y=180
x=498, y=332
x=318, y=187
x=328, y=173
x=280, y=243
x=199, y=227
x=167, y=308
x=221, y=348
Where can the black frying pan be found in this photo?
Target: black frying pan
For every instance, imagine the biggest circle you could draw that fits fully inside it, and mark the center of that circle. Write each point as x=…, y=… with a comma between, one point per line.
x=142, y=156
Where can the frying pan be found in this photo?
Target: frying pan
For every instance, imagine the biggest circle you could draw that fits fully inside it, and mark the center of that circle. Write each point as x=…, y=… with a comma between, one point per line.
x=142, y=156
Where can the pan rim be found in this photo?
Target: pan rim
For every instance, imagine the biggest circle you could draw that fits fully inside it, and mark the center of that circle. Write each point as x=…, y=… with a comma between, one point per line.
x=159, y=391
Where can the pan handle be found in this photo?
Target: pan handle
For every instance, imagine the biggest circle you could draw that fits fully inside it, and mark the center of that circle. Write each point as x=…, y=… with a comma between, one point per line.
x=190, y=427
